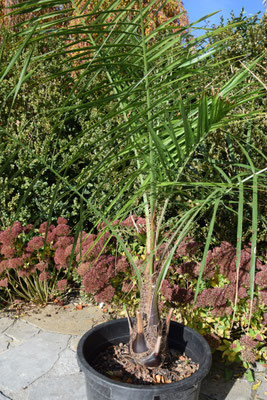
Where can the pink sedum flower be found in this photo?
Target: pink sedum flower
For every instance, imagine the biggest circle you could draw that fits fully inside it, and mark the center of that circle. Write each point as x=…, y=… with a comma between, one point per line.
x=22, y=273
x=16, y=230
x=4, y=282
x=43, y=227
x=44, y=276
x=35, y=244
x=261, y=278
x=122, y=264
x=63, y=242
x=105, y=295
x=8, y=251
x=61, y=220
x=62, y=230
x=3, y=266
x=263, y=297
x=50, y=237
x=129, y=222
x=42, y=266
x=62, y=284
x=5, y=238
x=28, y=228
x=83, y=268
x=14, y=263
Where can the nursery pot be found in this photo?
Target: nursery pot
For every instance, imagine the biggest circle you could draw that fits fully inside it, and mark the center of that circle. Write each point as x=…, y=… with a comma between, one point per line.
x=99, y=387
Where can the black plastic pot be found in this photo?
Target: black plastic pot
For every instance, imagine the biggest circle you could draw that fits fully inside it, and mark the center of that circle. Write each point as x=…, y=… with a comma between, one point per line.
x=99, y=387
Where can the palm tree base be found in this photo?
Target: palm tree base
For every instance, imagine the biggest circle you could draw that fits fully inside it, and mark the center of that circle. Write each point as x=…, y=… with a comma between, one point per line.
x=99, y=387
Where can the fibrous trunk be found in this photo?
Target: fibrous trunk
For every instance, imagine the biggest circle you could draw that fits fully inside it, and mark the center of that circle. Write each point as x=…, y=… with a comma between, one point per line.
x=148, y=333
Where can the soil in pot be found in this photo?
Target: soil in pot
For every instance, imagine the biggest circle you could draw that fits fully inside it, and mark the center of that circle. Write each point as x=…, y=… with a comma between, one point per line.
x=116, y=363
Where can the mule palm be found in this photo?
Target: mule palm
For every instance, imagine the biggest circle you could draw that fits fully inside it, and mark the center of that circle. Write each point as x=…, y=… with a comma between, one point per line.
x=150, y=81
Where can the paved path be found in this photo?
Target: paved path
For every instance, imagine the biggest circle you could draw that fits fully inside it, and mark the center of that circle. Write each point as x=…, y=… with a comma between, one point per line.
x=36, y=364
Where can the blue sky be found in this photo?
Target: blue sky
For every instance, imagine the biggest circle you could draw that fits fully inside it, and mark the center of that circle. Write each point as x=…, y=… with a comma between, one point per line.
x=199, y=8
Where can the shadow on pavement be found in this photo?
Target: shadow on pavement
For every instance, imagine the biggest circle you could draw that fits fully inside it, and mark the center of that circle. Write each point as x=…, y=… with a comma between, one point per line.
x=225, y=383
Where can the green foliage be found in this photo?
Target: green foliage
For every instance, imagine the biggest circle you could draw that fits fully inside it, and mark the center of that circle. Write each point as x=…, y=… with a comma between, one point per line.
x=222, y=150
x=27, y=187
x=32, y=123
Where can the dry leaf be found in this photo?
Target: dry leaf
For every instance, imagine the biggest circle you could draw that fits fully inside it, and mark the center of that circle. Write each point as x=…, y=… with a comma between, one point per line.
x=255, y=387
x=167, y=380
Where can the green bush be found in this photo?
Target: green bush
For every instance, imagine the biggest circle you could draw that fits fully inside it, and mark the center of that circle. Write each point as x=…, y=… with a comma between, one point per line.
x=31, y=121
x=222, y=150
x=24, y=180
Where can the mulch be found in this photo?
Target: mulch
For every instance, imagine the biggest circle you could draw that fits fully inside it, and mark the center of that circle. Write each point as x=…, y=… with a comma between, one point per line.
x=116, y=363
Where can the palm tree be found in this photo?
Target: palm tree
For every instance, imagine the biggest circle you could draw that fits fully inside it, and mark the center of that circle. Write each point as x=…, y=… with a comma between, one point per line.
x=149, y=79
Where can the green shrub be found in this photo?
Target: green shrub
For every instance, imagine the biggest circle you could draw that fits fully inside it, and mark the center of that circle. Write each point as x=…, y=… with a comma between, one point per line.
x=24, y=180
x=222, y=150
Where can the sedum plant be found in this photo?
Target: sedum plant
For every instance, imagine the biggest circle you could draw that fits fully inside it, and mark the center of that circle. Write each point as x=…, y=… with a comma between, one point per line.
x=150, y=78
x=31, y=264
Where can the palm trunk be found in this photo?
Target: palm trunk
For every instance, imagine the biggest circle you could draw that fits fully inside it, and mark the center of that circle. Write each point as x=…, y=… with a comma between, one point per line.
x=148, y=333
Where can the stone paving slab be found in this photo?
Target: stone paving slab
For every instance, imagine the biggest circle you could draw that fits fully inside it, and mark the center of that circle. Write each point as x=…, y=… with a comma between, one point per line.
x=241, y=390
x=2, y=397
x=5, y=323
x=66, y=365
x=43, y=366
x=5, y=342
x=22, y=365
x=21, y=331
x=73, y=344
x=226, y=390
x=67, y=319
x=61, y=388
x=261, y=393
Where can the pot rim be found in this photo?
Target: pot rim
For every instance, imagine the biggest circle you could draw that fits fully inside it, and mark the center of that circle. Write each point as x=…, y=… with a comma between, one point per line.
x=184, y=384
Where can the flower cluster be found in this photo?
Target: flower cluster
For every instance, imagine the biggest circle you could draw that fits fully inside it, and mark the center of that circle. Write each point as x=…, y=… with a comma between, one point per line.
x=36, y=255
x=224, y=256
x=220, y=265
x=247, y=353
x=220, y=262
x=49, y=251
x=133, y=221
x=213, y=313
x=97, y=275
x=188, y=247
